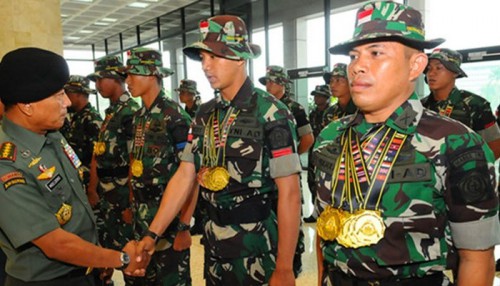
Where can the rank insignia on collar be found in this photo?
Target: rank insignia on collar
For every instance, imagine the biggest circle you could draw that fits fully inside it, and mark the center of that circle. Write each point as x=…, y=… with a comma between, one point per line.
x=8, y=151
x=47, y=173
x=34, y=161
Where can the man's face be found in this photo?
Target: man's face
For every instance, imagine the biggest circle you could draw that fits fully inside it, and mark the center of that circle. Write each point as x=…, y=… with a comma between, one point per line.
x=49, y=113
x=438, y=76
x=220, y=72
x=379, y=76
x=275, y=89
x=320, y=100
x=106, y=86
x=139, y=85
x=73, y=97
x=186, y=96
x=339, y=87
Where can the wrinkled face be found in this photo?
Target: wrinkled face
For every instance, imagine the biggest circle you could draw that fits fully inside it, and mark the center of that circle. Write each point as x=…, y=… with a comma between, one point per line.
x=339, y=87
x=139, y=85
x=219, y=71
x=438, y=76
x=275, y=89
x=49, y=113
x=186, y=96
x=106, y=86
x=379, y=75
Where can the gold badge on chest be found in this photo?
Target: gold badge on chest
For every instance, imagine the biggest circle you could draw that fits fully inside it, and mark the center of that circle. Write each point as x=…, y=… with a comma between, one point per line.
x=64, y=213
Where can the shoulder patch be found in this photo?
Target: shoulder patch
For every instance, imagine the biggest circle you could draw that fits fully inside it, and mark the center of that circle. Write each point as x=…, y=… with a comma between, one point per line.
x=12, y=178
x=8, y=151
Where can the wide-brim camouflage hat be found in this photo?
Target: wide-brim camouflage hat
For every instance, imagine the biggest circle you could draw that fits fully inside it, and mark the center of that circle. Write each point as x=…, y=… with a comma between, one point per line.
x=147, y=62
x=275, y=74
x=108, y=67
x=188, y=85
x=387, y=21
x=339, y=69
x=322, y=90
x=224, y=36
x=450, y=59
x=78, y=84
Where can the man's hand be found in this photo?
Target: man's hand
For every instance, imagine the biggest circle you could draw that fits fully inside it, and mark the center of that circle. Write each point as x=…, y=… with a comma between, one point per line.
x=139, y=260
x=182, y=240
x=282, y=277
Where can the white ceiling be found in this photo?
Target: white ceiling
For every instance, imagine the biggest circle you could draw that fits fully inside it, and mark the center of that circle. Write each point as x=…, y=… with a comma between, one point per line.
x=83, y=22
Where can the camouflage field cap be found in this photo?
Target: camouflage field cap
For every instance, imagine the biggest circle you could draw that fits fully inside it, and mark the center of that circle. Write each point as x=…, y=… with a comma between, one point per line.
x=225, y=36
x=275, y=74
x=78, y=84
x=146, y=61
x=339, y=69
x=188, y=85
x=450, y=59
x=387, y=21
x=323, y=90
x=108, y=67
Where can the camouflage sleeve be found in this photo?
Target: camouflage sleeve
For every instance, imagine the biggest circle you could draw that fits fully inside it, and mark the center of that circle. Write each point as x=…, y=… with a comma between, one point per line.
x=281, y=140
x=91, y=128
x=482, y=115
x=178, y=128
x=471, y=198
x=303, y=126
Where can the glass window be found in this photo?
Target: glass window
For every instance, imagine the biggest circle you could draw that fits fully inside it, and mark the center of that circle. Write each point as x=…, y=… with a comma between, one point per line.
x=170, y=24
x=149, y=31
x=275, y=51
x=114, y=44
x=129, y=38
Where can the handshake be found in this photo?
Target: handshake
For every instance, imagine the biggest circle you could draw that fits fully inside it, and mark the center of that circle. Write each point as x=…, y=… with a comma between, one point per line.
x=139, y=253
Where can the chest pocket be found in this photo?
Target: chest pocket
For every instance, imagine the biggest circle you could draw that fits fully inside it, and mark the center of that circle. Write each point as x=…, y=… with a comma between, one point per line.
x=462, y=113
x=158, y=143
x=244, y=151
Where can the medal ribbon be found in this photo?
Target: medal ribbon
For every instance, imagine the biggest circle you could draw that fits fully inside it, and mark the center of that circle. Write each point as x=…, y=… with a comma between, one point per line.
x=446, y=111
x=139, y=140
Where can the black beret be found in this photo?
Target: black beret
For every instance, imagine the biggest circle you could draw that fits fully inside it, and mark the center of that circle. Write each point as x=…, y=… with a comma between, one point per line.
x=31, y=74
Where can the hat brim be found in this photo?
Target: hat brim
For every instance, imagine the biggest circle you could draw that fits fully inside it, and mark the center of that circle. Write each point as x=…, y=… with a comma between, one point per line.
x=327, y=77
x=193, y=51
x=106, y=74
x=460, y=72
x=345, y=47
x=184, y=89
x=314, y=93
x=263, y=80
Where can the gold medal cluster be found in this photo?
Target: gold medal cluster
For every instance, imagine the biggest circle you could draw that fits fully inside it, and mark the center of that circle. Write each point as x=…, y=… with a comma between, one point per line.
x=99, y=148
x=213, y=178
x=353, y=230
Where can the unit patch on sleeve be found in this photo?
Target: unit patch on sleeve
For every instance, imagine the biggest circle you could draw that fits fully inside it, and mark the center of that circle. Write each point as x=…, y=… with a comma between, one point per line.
x=12, y=179
x=8, y=151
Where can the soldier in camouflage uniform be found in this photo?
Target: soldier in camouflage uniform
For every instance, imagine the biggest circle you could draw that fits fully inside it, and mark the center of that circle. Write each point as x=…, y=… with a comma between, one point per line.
x=446, y=99
x=242, y=144
x=337, y=80
x=111, y=156
x=278, y=83
x=401, y=190
x=189, y=95
x=161, y=129
x=84, y=125
x=322, y=95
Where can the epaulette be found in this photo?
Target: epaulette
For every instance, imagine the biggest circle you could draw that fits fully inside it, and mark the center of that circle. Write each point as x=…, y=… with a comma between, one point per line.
x=8, y=151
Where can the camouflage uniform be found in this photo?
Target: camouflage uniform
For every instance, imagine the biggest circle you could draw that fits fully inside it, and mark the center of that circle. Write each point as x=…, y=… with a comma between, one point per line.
x=84, y=126
x=436, y=194
x=241, y=232
x=316, y=118
x=190, y=86
x=464, y=106
x=112, y=162
x=278, y=75
x=160, y=136
x=335, y=111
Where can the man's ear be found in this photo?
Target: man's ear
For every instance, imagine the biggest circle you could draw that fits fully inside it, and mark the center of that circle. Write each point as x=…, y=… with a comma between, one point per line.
x=25, y=108
x=418, y=62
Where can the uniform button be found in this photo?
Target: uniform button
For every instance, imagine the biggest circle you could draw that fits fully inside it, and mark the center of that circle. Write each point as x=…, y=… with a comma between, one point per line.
x=71, y=180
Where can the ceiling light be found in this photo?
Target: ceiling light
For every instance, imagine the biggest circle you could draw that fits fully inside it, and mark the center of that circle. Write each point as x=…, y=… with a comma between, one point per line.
x=101, y=23
x=72, y=38
x=86, y=31
x=86, y=1
x=109, y=20
x=138, y=5
x=64, y=16
x=151, y=0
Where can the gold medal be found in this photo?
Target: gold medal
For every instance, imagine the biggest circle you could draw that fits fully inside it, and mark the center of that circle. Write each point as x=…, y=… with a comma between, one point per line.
x=99, y=148
x=63, y=215
x=137, y=168
x=217, y=178
x=329, y=223
x=363, y=228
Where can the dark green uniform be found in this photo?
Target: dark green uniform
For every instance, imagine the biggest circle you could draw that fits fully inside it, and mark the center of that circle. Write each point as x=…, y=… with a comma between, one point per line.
x=160, y=136
x=468, y=108
x=439, y=195
x=84, y=129
x=335, y=112
x=116, y=136
x=192, y=111
x=241, y=232
x=38, y=175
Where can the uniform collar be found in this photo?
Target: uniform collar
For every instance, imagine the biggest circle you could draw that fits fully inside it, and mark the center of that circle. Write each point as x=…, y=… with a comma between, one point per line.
x=243, y=100
x=23, y=136
x=404, y=119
